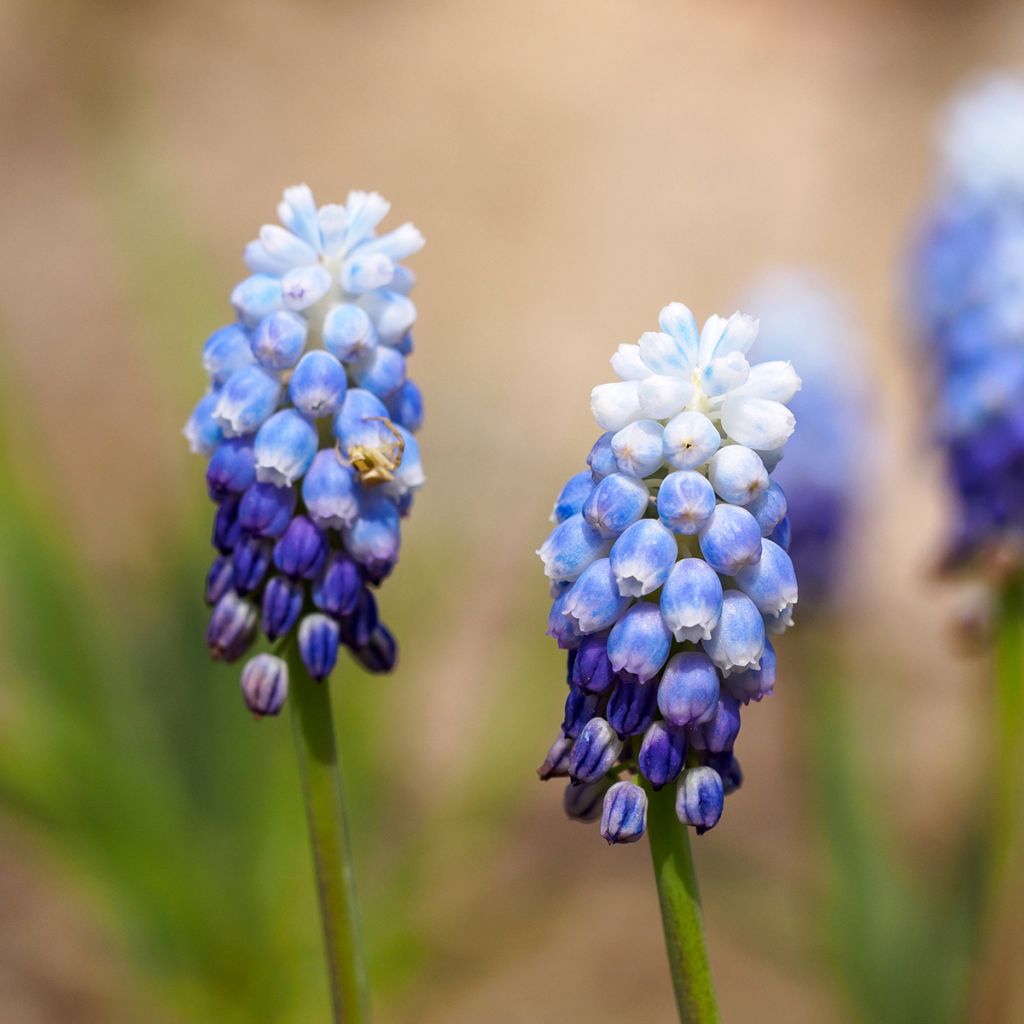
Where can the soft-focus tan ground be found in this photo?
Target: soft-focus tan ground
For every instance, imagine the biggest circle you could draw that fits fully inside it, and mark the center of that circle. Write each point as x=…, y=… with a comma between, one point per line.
x=574, y=166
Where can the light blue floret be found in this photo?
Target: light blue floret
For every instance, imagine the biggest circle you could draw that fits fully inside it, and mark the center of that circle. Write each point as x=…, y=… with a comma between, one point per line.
x=202, y=431
x=690, y=439
x=331, y=491
x=638, y=448
x=256, y=297
x=737, y=474
x=771, y=583
x=318, y=384
x=225, y=351
x=601, y=458
x=730, y=540
x=348, y=331
x=691, y=600
x=572, y=496
x=688, y=690
x=284, y=446
x=594, y=602
x=571, y=547
x=615, y=503
x=768, y=508
x=279, y=339
x=755, y=683
x=246, y=400
x=737, y=642
x=686, y=501
x=643, y=557
x=373, y=540
x=639, y=643
x=381, y=371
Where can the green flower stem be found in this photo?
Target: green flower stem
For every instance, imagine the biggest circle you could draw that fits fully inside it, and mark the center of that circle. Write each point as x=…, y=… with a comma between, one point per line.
x=1001, y=894
x=1009, y=783
x=680, y=910
x=325, y=810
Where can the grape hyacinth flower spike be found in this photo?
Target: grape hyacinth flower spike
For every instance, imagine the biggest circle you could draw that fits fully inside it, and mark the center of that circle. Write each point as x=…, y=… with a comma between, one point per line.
x=669, y=576
x=967, y=299
x=308, y=424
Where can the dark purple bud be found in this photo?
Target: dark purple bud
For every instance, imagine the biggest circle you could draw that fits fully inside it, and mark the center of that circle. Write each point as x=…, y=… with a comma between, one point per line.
x=570, y=664
x=624, y=815
x=580, y=708
x=358, y=626
x=218, y=579
x=728, y=769
x=595, y=752
x=404, y=503
x=584, y=803
x=232, y=468
x=227, y=529
x=592, y=670
x=264, y=684
x=250, y=563
x=282, y=606
x=267, y=510
x=380, y=655
x=232, y=627
x=662, y=754
x=631, y=707
x=556, y=764
x=719, y=733
x=336, y=590
x=302, y=551
x=318, y=645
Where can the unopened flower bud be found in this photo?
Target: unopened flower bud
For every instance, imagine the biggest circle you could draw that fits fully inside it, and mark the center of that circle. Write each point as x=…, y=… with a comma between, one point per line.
x=267, y=510
x=232, y=627
x=631, y=707
x=556, y=763
x=282, y=606
x=585, y=802
x=662, y=754
x=699, y=798
x=302, y=549
x=380, y=653
x=624, y=813
x=580, y=707
x=250, y=562
x=318, y=645
x=264, y=684
x=336, y=590
x=596, y=750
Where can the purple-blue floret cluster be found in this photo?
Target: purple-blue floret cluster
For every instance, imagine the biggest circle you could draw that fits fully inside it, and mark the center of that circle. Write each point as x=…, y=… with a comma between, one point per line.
x=309, y=427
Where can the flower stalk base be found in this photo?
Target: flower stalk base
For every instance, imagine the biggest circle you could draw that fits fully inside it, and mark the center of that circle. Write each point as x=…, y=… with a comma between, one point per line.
x=317, y=752
x=680, y=910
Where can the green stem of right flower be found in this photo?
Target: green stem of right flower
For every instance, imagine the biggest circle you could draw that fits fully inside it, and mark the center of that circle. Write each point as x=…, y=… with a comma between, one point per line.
x=681, y=913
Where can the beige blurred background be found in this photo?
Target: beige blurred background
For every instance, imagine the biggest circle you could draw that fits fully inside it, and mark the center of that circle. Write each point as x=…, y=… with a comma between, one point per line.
x=573, y=166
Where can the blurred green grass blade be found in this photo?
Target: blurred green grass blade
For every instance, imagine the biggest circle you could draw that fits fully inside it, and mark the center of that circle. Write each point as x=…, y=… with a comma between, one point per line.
x=898, y=947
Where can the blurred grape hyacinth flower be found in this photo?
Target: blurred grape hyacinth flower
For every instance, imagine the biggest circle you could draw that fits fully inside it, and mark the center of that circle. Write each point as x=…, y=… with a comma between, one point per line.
x=968, y=297
x=308, y=426
x=810, y=504
x=669, y=572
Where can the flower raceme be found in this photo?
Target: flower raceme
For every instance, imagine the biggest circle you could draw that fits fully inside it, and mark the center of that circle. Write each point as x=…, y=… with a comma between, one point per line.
x=968, y=293
x=309, y=425
x=669, y=572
